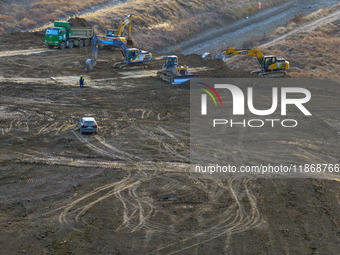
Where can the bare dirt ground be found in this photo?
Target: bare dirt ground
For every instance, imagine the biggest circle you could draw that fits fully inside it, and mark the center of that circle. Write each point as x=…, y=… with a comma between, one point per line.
x=127, y=190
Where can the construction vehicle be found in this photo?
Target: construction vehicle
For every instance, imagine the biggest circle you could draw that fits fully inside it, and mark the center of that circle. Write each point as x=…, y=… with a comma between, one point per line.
x=133, y=58
x=62, y=35
x=270, y=66
x=173, y=72
x=117, y=33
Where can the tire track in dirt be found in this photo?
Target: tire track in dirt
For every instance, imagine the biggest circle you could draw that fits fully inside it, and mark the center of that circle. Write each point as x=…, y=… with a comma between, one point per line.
x=13, y=53
x=137, y=211
x=236, y=222
x=97, y=149
x=114, y=149
x=229, y=223
x=63, y=215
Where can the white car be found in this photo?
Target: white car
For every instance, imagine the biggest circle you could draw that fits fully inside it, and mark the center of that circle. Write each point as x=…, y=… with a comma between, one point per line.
x=87, y=125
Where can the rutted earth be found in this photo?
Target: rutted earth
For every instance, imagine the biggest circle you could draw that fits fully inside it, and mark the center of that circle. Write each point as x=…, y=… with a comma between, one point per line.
x=127, y=190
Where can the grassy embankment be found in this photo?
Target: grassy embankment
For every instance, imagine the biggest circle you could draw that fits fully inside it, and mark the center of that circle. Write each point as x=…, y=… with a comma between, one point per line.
x=20, y=15
x=157, y=23
x=311, y=53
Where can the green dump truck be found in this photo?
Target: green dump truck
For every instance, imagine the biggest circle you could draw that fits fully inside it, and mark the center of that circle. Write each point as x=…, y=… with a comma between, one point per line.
x=63, y=35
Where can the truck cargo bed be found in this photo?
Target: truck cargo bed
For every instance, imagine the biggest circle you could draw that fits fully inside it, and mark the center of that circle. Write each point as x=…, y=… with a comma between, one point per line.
x=81, y=32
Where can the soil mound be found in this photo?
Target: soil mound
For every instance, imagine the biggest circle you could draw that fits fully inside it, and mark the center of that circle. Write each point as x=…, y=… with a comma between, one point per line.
x=79, y=22
x=21, y=40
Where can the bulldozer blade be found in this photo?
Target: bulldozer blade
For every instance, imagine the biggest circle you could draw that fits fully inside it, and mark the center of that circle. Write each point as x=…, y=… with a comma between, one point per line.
x=182, y=79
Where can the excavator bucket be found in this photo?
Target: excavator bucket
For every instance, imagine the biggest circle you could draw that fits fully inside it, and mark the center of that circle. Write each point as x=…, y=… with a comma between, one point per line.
x=129, y=43
x=95, y=47
x=90, y=63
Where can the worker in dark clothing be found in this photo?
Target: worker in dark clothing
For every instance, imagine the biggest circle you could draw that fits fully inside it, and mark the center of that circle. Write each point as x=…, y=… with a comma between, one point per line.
x=81, y=81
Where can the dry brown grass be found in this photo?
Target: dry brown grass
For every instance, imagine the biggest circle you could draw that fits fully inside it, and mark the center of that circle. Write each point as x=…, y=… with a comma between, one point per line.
x=27, y=15
x=157, y=23
x=312, y=54
x=300, y=19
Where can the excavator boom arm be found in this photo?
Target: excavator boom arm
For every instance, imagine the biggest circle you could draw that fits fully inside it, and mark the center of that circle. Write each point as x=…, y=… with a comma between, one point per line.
x=126, y=22
x=108, y=41
x=250, y=52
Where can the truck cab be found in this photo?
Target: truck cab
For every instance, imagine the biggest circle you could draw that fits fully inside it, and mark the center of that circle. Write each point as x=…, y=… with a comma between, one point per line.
x=57, y=34
x=54, y=36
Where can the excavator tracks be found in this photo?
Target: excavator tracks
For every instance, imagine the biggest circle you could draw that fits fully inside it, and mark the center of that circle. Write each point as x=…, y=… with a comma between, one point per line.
x=275, y=74
x=136, y=66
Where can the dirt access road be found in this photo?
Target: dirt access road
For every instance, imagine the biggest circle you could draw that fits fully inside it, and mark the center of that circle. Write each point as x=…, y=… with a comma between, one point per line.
x=233, y=35
x=127, y=189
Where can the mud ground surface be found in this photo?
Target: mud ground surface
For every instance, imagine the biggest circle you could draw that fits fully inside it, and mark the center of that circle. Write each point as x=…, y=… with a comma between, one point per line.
x=127, y=189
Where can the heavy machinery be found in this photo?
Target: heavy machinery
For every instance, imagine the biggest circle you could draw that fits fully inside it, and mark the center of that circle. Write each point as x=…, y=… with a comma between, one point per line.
x=62, y=35
x=173, y=72
x=271, y=66
x=133, y=58
x=117, y=33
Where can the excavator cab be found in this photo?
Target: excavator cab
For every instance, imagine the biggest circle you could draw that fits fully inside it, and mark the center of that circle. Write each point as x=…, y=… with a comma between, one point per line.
x=112, y=33
x=132, y=54
x=271, y=63
x=170, y=62
x=173, y=72
x=268, y=61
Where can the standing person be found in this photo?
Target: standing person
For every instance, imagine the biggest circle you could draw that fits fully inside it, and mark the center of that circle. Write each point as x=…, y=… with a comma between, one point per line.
x=81, y=81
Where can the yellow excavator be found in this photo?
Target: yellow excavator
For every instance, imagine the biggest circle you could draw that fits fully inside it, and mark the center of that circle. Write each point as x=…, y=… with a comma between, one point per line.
x=173, y=72
x=271, y=66
x=117, y=33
